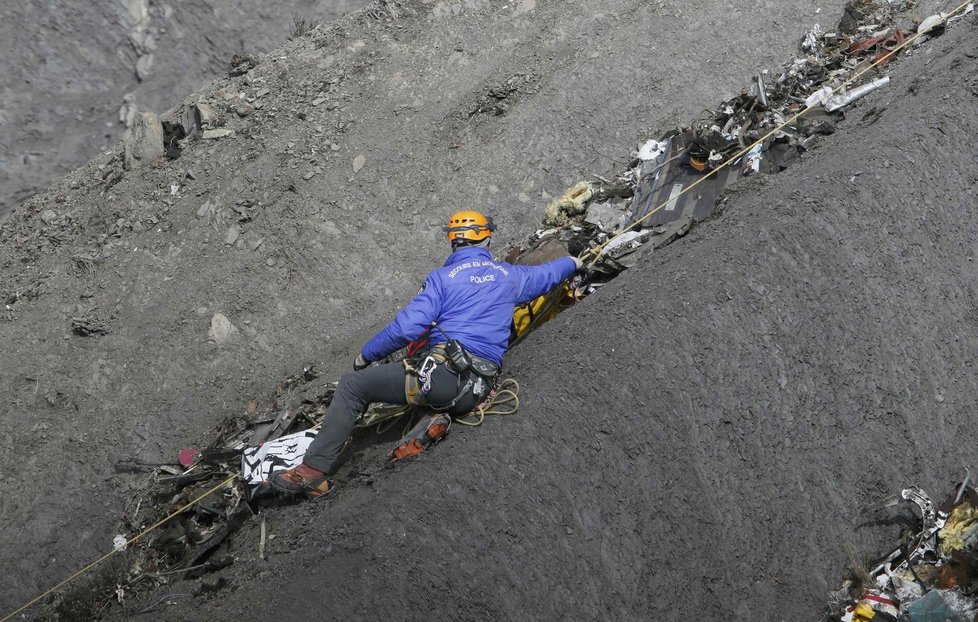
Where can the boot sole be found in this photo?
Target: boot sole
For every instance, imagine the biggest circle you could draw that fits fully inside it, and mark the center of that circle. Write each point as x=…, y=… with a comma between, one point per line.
x=415, y=446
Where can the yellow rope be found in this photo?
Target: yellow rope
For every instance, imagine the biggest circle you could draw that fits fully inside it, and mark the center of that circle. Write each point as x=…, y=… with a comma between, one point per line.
x=505, y=402
x=134, y=539
x=598, y=251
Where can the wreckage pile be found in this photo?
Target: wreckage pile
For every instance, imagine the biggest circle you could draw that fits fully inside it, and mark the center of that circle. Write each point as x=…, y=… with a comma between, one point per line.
x=650, y=204
x=193, y=543
x=932, y=576
x=217, y=489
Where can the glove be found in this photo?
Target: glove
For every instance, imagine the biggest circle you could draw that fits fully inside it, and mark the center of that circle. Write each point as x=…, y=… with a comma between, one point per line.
x=578, y=264
x=360, y=363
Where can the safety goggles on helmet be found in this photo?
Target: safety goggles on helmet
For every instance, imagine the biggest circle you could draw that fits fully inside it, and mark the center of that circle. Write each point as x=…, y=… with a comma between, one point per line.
x=470, y=225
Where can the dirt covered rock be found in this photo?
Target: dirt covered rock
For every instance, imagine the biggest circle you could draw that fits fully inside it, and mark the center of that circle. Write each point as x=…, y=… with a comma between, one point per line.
x=144, y=141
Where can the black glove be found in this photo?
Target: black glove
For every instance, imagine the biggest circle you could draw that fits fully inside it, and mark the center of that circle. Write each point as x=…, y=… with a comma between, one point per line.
x=360, y=363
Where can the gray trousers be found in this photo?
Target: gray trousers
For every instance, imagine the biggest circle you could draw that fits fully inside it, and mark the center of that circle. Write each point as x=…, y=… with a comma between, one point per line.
x=380, y=383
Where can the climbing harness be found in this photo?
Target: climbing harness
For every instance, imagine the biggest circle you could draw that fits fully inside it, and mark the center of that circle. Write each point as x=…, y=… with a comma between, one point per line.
x=428, y=366
x=472, y=373
x=503, y=399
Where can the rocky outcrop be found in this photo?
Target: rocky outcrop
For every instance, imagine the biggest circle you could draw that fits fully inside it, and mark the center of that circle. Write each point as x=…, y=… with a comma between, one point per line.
x=67, y=67
x=144, y=141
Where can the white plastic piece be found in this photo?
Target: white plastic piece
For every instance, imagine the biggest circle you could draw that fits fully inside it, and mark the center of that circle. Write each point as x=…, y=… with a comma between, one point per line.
x=930, y=23
x=810, y=42
x=652, y=150
x=281, y=454
x=842, y=100
x=119, y=542
x=633, y=238
x=818, y=97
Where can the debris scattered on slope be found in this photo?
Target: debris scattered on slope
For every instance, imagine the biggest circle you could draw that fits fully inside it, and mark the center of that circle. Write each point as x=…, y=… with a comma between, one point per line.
x=653, y=191
x=932, y=575
x=936, y=24
x=837, y=102
x=571, y=205
x=588, y=216
x=287, y=451
x=89, y=326
x=195, y=542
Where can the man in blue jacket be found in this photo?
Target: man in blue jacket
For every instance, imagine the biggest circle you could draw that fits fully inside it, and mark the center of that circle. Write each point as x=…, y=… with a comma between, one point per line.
x=465, y=306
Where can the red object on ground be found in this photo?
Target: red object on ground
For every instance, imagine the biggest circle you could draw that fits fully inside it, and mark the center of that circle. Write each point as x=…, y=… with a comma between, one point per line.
x=187, y=457
x=881, y=45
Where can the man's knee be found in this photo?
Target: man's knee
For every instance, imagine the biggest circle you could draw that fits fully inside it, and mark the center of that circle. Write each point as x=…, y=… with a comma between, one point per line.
x=348, y=379
x=351, y=385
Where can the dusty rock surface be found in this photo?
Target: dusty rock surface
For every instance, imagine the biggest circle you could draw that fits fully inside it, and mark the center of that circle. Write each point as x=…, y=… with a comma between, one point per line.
x=734, y=401
x=69, y=76
x=712, y=444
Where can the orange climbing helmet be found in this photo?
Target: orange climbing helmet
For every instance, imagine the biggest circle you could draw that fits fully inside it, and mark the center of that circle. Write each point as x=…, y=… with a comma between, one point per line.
x=471, y=226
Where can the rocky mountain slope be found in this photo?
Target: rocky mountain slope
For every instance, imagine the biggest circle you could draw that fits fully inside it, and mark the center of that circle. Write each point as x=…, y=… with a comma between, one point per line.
x=71, y=69
x=712, y=444
x=696, y=439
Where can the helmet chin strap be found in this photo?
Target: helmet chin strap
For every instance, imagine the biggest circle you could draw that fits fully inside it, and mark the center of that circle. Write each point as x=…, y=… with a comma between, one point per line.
x=464, y=243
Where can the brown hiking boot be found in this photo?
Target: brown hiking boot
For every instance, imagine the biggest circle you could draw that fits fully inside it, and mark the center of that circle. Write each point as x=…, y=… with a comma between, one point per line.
x=301, y=480
x=429, y=431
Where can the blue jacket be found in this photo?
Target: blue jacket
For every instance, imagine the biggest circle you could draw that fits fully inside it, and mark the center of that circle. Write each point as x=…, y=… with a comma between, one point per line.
x=472, y=299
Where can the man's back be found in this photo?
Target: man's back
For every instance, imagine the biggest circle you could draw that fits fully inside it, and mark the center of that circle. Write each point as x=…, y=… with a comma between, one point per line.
x=472, y=298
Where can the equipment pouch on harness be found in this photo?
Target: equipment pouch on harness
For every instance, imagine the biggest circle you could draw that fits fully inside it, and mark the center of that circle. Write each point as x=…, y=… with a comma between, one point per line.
x=472, y=374
x=457, y=356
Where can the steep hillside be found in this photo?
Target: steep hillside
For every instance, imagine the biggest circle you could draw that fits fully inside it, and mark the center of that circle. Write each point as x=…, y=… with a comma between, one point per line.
x=69, y=67
x=318, y=216
x=697, y=438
